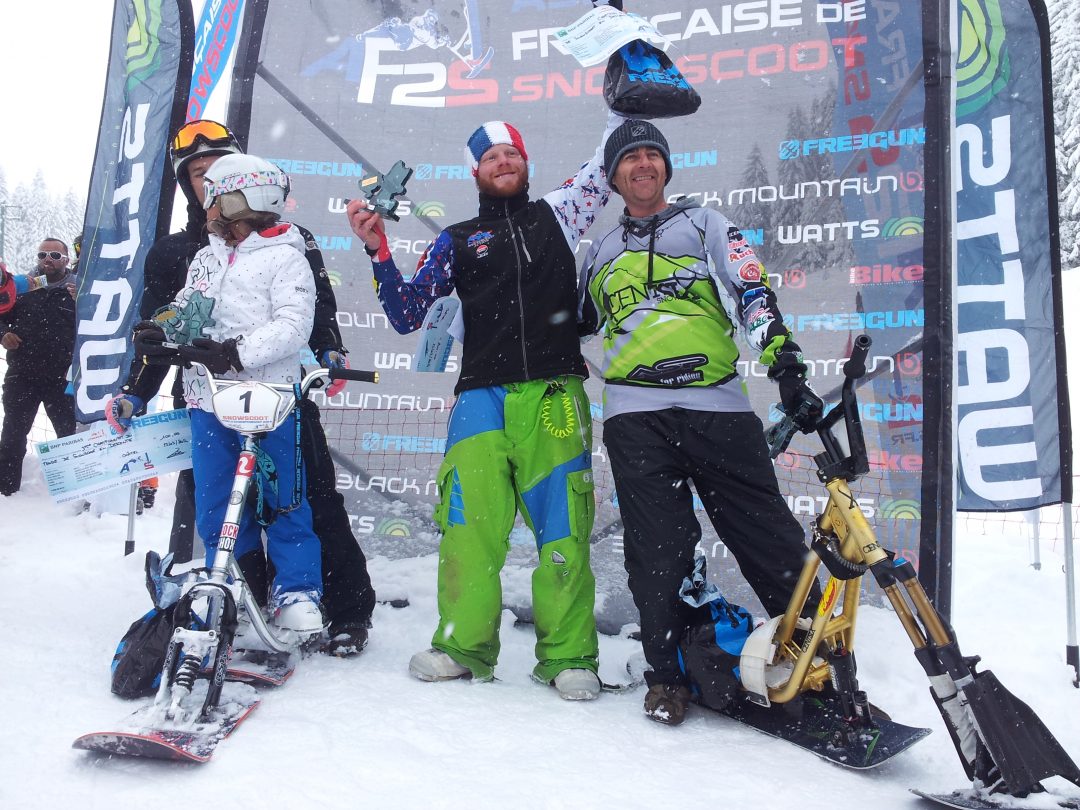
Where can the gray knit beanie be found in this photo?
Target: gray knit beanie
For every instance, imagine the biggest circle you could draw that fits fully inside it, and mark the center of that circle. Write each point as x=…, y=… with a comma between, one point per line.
x=629, y=135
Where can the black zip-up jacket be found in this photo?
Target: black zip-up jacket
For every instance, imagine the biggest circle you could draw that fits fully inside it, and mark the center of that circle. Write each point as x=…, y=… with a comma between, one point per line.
x=164, y=275
x=513, y=267
x=516, y=276
x=520, y=294
x=45, y=320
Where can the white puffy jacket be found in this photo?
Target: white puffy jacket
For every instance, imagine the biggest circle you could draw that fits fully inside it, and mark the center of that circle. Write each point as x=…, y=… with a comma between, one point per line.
x=263, y=292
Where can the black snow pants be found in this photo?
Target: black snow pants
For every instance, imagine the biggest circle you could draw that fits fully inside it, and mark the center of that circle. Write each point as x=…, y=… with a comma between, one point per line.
x=347, y=593
x=653, y=457
x=24, y=392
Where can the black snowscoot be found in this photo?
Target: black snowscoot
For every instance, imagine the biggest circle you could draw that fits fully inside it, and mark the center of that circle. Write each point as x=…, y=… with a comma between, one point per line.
x=1004, y=748
x=191, y=713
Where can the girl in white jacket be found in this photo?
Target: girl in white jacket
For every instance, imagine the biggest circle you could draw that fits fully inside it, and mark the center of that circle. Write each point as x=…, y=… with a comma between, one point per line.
x=245, y=313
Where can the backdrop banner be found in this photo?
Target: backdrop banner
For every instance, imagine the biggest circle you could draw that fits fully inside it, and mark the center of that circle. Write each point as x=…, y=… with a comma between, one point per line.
x=215, y=36
x=810, y=137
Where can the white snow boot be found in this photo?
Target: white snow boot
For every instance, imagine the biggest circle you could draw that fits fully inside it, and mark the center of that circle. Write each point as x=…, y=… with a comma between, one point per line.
x=577, y=684
x=435, y=665
x=302, y=617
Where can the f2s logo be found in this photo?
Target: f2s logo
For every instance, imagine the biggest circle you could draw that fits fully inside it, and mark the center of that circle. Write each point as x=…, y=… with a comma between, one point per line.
x=431, y=78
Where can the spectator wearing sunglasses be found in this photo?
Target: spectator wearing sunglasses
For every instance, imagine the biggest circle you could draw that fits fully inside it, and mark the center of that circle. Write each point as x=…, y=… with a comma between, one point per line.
x=39, y=335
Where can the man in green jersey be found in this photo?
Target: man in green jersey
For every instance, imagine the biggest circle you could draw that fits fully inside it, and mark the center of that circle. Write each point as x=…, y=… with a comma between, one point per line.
x=676, y=409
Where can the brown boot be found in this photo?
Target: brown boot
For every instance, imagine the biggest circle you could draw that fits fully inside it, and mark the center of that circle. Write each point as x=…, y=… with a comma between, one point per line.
x=667, y=703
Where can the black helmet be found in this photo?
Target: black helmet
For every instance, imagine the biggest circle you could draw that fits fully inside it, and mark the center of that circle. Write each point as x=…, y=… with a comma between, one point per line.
x=198, y=139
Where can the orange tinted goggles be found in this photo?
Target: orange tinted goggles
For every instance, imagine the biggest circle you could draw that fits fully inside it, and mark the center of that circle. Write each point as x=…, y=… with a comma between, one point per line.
x=191, y=134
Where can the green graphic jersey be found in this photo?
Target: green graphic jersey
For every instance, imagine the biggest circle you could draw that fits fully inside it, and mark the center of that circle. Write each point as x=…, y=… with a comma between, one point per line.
x=662, y=325
x=667, y=293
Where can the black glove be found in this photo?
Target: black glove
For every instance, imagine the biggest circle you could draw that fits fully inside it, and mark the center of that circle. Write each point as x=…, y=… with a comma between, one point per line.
x=219, y=358
x=797, y=398
x=613, y=3
x=148, y=340
x=800, y=401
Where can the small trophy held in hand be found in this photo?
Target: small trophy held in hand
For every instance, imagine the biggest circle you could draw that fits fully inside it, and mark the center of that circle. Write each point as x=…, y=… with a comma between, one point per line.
x=382, y=190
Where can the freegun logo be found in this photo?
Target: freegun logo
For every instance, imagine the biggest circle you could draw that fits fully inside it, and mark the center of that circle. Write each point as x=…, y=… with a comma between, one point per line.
x=373, y=442
x=844, y=321
x=320, y=168
x=884, y=140
x=163, y=417
x=894, y=414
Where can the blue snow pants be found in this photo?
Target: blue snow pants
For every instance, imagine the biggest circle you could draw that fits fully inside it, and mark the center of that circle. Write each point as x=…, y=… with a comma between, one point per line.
x=291, y=544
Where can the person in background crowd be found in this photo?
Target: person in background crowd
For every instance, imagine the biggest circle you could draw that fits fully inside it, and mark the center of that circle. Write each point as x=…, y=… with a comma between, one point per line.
x=39, y=334
x=76, y=246
x=675, y=408
x=520, y=434
x=348, y=596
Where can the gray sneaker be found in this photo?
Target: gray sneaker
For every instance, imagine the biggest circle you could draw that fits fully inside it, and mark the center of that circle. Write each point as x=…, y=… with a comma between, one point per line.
x=577, y=684
x=435, y=665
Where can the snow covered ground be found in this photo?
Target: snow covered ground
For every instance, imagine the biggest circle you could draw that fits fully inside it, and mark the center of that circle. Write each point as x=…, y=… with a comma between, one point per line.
x=362, y=733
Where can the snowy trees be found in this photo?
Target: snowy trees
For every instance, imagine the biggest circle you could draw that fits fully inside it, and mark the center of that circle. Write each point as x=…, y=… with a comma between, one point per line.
x=1065, y=64
x=32, y=213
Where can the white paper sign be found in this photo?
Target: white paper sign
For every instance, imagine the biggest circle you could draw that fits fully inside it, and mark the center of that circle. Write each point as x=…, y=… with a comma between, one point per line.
x=602, y=31
x=98, y=459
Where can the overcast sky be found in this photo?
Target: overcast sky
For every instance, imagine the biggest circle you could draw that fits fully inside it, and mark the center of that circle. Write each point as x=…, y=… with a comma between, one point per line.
x=53, y=56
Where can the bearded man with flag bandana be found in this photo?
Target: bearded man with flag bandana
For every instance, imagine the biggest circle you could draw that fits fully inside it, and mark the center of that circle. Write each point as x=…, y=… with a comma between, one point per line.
x=520, y=435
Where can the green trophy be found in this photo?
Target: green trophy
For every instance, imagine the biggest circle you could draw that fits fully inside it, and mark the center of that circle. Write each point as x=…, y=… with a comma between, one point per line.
x=382, y=190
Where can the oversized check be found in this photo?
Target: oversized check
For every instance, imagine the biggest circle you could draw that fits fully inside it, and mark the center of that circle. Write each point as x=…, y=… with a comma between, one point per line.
x=99, y=459
x=600, y=32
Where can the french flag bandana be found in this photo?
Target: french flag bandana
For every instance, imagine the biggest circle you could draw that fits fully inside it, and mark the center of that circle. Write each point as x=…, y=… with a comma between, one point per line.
x=489, y=135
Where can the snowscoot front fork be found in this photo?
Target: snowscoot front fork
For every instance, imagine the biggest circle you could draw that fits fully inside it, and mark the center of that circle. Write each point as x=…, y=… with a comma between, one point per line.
x=845, y=543
x=193, y=640
x=195, y=637
x=224, y=567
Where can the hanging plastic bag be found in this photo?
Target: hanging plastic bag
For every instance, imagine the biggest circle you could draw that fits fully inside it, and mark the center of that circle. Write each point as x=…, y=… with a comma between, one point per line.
x=712, y=643
x=641, y=82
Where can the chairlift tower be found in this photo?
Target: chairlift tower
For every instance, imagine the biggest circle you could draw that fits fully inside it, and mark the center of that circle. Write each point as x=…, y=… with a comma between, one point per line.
x=4, y=217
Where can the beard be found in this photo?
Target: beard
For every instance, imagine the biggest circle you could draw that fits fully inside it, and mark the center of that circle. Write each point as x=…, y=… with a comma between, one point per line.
x=489, y=188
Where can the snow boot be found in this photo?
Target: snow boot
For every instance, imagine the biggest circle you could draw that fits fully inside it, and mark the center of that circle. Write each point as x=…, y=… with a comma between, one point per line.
x=302, y=617
x=667, y=703
x=435, y=665
x=347, y=638
x=577, y=684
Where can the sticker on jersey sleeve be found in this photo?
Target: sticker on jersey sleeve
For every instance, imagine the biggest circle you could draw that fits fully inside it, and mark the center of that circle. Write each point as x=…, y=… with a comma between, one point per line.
x=750, y=271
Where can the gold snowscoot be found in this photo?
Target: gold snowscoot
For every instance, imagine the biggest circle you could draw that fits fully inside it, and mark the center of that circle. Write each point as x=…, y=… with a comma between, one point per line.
x=1003, y=745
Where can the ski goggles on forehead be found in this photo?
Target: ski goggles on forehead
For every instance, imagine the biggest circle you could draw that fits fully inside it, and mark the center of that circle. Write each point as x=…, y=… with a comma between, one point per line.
x=191, y=135
x=55, y=255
